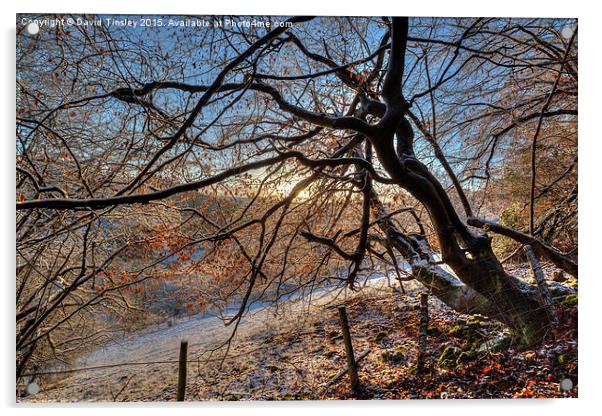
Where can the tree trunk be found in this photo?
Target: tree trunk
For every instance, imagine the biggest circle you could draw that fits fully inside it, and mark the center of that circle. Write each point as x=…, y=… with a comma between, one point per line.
x=463, y=298
x=469, y=255
x=559, y=259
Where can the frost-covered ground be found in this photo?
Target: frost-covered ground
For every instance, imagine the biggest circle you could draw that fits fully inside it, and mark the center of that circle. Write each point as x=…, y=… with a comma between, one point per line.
x=291, y=351
x=205, y=332
x=156, y=349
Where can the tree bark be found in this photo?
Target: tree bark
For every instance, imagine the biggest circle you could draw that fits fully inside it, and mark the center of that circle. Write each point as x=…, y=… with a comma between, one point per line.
x=459, y=295
x=559, y=259
x=470, y=256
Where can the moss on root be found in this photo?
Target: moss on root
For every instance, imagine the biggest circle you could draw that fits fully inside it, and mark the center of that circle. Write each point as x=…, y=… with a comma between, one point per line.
x=448, y=357
x=570, y=300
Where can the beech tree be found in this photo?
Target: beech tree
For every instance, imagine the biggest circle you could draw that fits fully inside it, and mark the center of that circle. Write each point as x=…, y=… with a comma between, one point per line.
x=291, y=156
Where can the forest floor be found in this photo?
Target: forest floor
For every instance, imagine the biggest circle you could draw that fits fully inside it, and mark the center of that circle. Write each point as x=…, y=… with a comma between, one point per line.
x=291, y=354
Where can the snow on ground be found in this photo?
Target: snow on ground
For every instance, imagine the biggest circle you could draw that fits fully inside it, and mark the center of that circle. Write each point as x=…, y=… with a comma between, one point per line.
x=291, y=351
x=204, y=333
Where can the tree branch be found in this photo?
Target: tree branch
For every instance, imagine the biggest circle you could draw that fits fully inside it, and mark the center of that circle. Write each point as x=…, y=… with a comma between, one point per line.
x=542, y=249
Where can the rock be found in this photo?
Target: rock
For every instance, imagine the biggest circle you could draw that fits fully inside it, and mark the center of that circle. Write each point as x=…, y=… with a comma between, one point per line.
x=32, y=388
x=495, y=344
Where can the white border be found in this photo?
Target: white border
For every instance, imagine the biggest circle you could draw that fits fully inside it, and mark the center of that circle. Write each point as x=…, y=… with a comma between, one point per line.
x=590, y=345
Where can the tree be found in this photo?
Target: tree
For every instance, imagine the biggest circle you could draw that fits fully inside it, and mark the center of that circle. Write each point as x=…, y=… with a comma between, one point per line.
x=313, y=150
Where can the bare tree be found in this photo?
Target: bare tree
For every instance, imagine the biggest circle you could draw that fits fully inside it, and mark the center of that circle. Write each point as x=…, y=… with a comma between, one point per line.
x=307, y=152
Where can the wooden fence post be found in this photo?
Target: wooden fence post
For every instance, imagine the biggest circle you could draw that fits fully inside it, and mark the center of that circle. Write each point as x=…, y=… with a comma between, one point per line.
x=541, y=284
x=182, y=371
x=351, y=363
x=424, y=324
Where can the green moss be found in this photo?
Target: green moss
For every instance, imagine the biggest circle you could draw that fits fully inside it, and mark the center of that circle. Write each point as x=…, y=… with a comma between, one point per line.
x=475, y=320
x=570, y=300
x=457, y=330
x=470, y=345
x=467, y=330
x=448, y=357
x=470, y=349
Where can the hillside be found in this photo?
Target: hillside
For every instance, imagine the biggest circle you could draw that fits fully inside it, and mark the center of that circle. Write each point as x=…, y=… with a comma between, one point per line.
x=292, y=352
